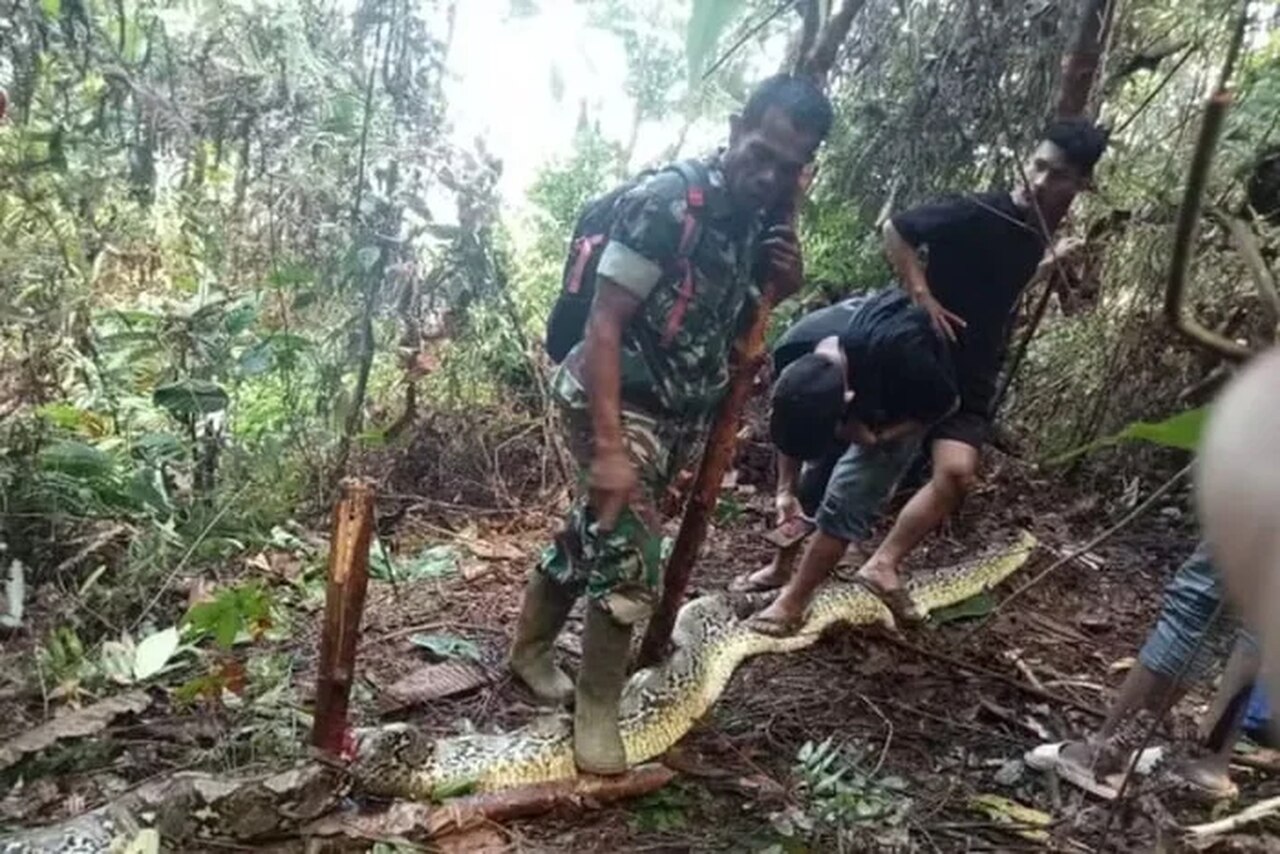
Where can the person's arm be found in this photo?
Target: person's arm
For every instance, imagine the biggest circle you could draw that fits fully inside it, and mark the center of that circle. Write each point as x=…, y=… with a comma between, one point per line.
x=911, y=275
x=612, y=476
x=785, y=501
x=645, y=234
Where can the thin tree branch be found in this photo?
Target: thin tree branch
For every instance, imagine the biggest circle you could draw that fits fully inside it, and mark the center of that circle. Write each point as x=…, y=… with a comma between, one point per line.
x=1192, y=203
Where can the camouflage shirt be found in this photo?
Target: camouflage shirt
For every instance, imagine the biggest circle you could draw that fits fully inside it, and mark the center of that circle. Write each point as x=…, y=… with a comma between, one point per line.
x=685, y=375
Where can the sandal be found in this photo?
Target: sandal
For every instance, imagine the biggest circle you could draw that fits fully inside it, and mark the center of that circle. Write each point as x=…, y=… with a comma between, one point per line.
x=1048, y=757
x=898, y=601
x=775, y=627
x=743, y=583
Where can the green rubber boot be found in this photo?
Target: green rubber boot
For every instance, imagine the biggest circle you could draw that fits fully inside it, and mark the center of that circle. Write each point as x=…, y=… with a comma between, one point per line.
x=606, y=647
x=544, y=611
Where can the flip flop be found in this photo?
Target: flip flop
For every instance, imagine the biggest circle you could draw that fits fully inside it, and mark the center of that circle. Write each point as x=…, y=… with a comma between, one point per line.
x=743, y=584
x=1048, y=757
x=897, y=601
x=775, y=627
x=1205, y=787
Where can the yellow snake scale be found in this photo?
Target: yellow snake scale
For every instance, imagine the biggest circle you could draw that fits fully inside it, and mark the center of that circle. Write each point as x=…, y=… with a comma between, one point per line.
x=659, y=705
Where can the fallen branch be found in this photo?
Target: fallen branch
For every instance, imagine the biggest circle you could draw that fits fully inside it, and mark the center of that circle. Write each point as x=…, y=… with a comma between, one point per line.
x=576, y=793
x=1039, y=693
x=1087, y=547
x=1260, y=810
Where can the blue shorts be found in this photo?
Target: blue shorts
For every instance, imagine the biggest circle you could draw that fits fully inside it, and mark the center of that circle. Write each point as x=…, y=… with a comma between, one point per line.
x=846, y=490
x=1187, y=622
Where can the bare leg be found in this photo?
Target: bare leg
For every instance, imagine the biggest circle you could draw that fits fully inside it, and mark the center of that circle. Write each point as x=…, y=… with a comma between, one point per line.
x=778, y=571
x=1143, y=690
x=955, y=470
x=1212, y=772
x=820, y=558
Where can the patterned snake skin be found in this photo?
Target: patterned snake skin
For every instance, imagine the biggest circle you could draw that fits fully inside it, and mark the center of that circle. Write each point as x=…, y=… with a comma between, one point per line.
x=659, y=706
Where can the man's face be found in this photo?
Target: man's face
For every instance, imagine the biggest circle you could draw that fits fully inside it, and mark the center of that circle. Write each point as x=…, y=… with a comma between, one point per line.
x=763, y=163
x=1052, y=182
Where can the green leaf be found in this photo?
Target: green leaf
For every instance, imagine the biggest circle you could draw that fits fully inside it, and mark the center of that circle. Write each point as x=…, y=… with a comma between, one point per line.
x=1181, y=431
x=190, y=397
x=116, y=660
x=431, y=562
x=51, y=8
x=77, y=459
x=447, y=646
x=15, y=595
x=975, y=606
x=707, y=23
x=367, y=257
x=154, y=653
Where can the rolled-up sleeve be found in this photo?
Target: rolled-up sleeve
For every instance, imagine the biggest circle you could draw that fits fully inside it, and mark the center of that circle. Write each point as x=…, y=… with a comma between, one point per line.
x=645, y=235
x=628, y=268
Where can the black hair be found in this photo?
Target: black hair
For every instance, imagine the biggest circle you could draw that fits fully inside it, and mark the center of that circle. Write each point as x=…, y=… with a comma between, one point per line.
x=1080, y=140
x=808, y=403
x=899, y=370
x=798, y=97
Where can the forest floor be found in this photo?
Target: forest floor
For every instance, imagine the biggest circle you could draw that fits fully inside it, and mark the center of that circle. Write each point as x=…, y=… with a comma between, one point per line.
x=921, y=735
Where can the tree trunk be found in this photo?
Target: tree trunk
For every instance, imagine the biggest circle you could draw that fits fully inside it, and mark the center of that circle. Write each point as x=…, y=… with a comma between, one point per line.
x=1080, y=64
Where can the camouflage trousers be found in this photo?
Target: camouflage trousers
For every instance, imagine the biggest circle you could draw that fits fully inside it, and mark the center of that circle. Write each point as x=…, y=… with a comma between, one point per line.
x=620, y=569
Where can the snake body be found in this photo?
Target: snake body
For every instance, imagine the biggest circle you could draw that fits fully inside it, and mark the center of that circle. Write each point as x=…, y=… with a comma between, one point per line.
x=659, y=704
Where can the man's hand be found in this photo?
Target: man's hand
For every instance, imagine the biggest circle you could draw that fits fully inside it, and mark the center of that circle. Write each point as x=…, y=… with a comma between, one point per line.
x=784, y=264
x=787, y=506
x=945, y=323
x=612, y=480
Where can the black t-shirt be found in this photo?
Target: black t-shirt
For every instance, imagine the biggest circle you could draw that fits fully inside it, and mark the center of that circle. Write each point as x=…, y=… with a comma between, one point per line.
x=800, y=339
x=981, y=252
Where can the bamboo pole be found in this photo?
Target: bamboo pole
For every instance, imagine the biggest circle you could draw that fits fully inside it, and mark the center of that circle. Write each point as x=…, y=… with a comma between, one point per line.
x=344, y=603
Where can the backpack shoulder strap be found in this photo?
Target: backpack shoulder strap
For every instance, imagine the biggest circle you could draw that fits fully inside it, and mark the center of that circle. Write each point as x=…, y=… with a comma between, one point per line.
x=695, y=199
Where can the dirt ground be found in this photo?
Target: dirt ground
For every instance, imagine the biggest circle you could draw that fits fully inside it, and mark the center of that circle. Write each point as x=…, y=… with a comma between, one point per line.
x=942, y=709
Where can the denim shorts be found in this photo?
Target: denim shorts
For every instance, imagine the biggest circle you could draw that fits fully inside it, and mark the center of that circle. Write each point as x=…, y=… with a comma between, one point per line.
x=1187, y=621
x=846, y=490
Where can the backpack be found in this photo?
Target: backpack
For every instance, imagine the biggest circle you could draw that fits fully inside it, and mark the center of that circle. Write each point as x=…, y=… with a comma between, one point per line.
x=567, y=323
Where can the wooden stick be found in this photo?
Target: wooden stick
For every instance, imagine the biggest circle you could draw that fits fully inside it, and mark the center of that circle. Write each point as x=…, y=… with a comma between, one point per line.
x=716, y=457
x=343, y=606
x=539, y=798
x=1262, y=809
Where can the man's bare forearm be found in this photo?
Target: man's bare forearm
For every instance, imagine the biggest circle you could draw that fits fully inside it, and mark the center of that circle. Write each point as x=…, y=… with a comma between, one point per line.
x=905, y=262
x=788, y=473
x=602, y=358
x=602, y=363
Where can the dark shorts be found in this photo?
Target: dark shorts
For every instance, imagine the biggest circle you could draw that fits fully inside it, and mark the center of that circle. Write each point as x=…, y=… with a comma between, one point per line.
x=969, y=427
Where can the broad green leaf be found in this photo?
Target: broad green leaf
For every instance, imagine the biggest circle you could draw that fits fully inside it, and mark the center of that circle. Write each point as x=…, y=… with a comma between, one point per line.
x=447, y=646
x=154, y=652
x=707, y=23
x=77, y=459
x=51, y=8
x=190, y=397
x=975, y=606
x=1181, y=431
x=431, y=562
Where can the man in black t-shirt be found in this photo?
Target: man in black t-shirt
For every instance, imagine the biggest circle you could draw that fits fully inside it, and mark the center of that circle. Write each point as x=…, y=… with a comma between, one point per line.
x=858, y=384
x=965, y=262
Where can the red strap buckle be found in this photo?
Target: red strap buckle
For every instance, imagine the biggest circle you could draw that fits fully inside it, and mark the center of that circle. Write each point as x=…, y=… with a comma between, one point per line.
x=584, y=246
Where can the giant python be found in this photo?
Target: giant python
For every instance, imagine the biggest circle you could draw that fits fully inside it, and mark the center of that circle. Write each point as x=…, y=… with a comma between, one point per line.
x=659, y=705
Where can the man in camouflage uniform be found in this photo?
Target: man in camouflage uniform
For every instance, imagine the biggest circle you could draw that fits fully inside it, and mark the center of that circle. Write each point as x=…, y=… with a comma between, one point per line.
x=638, y=392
